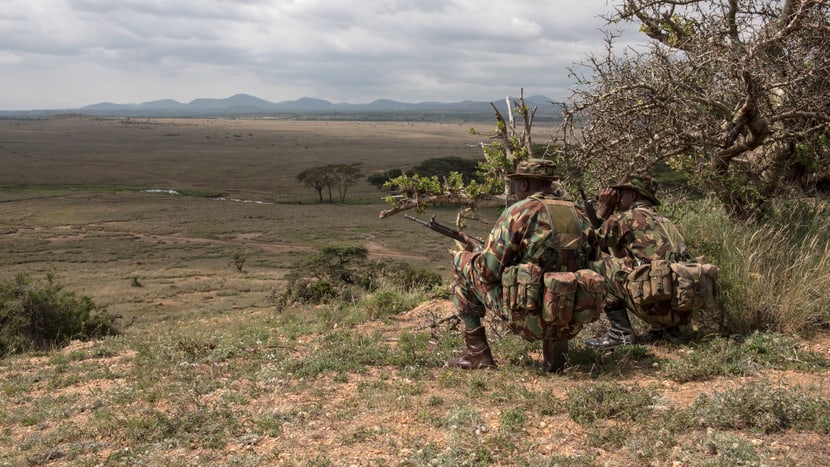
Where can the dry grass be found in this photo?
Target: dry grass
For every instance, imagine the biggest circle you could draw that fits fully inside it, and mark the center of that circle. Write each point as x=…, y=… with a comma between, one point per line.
x=71, y=203
x=250, y=158
x=209, y=373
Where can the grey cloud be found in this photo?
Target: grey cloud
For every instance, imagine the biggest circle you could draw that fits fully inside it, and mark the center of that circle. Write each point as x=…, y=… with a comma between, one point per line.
x=344, y=51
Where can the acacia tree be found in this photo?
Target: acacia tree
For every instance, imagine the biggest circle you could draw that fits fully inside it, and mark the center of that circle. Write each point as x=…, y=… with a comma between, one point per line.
x=317, y=178
x=732, y=92
x=341, y=176
x=344, y=176
x=509, y=143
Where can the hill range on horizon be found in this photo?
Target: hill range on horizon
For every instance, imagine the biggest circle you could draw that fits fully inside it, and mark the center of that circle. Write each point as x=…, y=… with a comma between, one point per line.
x=246, y=105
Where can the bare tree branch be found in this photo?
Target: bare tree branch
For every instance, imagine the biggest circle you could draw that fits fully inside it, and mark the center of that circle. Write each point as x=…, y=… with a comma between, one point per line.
x=721, y=84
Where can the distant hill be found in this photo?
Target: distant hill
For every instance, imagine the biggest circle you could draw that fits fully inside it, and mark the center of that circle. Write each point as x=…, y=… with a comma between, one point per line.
x=307, y=107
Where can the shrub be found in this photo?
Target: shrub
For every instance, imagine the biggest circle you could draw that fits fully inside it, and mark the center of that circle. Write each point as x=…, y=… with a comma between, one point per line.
x=604, y=401
x=379, y=179
x=238, y=261
x=741, y=357
x=763, y=407
x=38, y=315
x=343, y=272
x=441, y=166
x=401, y=274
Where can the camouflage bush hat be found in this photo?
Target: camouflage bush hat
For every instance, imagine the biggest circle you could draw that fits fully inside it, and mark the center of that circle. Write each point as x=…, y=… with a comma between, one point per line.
x=542, y=169
x=642, y=184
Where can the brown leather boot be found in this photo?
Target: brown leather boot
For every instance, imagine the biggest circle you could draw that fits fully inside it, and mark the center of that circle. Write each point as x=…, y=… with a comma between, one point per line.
x=555, y=354
x=476, y=354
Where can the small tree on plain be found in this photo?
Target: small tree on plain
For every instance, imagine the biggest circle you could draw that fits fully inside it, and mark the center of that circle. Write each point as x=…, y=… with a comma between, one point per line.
x=345, y=176
x=330, y=177
x=317, y=178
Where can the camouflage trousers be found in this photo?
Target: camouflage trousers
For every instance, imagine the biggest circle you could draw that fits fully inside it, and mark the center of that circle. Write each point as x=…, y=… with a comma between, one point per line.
x=615, y=271
x=473, y=296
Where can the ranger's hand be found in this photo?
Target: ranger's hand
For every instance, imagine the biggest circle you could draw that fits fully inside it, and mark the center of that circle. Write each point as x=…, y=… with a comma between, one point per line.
x=470, y=243
x=608, y=200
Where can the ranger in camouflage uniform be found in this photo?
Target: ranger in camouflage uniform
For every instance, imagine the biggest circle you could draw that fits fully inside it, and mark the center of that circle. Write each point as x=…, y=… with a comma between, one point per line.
x=632, y=236
x=524, y=233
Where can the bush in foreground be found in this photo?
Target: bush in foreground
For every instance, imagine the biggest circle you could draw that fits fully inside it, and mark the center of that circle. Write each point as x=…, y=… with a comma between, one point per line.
x=344, y=273
x=38, y=315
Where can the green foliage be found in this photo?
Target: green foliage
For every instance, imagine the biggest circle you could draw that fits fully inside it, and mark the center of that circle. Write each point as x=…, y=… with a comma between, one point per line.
x=513, y=419
x=340, y=351
x=301, y=290
x=727, y=357
x=463, y=180
x=339, y=266
x=385, y=303
x=723, y=449
x=773, y=275
x=344, y=272
x=414, y=350
x=441, y=166
x=415, y=185
x=39, y=315
x=379, y=304
x=401, y=274
x=495, y=163
x=379, y=179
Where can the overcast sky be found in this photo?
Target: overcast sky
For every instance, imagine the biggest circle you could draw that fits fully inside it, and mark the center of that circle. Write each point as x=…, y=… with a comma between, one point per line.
x=57, y=54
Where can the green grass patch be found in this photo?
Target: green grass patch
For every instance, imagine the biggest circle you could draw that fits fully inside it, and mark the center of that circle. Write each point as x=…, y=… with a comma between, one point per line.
x=763, y=407
x=742, y=357
x=591, y=404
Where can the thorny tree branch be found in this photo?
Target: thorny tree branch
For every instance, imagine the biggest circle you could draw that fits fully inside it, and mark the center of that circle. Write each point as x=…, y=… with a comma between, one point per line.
x=733, y=93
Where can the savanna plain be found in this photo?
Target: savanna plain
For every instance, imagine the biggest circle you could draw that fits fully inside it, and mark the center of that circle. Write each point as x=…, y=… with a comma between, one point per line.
x=187, y=229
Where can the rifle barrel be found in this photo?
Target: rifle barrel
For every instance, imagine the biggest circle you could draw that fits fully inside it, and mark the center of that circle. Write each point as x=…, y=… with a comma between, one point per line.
x=442, y=228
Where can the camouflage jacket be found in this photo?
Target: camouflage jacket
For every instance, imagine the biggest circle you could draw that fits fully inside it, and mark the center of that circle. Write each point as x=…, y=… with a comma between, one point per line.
x=645, y=235
x=522, y=234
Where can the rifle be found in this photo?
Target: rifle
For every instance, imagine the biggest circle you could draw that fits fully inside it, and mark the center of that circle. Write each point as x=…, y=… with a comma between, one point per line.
x=589, y=207
x=443, y=229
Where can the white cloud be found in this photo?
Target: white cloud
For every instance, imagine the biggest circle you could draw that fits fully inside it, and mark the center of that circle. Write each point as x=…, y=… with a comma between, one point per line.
x=70, y=53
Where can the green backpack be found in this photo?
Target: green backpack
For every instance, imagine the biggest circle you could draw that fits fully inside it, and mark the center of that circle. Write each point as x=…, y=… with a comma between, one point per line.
x=669, y=293
x=554, y=304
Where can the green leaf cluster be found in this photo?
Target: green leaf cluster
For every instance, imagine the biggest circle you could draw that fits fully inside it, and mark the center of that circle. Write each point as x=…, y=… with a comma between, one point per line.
x=38, y=315
x=344, y=272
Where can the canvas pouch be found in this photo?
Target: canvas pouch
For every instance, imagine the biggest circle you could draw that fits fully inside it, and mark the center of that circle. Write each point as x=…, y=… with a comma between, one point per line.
x=590, y=296
x=572, y=297
x=650, y=283
x=695, y=286
x=559, y=296
x=522, y=287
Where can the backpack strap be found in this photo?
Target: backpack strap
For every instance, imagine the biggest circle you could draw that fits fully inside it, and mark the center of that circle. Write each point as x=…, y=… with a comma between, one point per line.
x=678, y=244
x=565, y=222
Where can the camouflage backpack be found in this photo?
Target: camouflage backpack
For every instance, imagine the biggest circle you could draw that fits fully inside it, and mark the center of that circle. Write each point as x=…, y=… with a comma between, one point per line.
x=554, y=304
x=669, y=293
